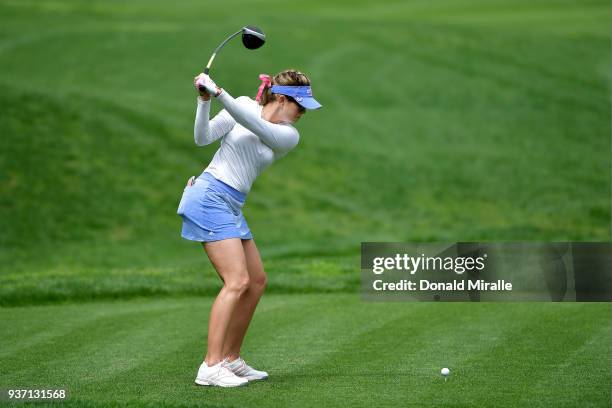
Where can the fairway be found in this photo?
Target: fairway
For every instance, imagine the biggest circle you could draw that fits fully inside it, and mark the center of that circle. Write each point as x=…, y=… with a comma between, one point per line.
x=443, y=121
x=320, y=350
x=492, y=123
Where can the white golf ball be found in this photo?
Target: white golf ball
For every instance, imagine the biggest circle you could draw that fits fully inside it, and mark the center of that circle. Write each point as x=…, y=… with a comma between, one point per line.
x=445, y=371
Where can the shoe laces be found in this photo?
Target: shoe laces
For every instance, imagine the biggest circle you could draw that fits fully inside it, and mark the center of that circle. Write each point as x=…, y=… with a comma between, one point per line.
x=224, y=370
x=242, y=367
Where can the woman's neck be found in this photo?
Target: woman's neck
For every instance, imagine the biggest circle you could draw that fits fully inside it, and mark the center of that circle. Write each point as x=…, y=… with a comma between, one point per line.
x=268, y=113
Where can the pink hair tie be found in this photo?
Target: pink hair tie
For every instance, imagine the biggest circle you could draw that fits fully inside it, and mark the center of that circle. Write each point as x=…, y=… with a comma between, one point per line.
x=266, y=82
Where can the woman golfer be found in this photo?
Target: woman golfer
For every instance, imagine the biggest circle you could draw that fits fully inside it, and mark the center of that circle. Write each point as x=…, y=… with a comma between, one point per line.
x=253, y=135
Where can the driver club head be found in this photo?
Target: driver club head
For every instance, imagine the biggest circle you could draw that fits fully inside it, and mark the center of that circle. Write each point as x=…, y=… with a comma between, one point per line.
x=253, y=37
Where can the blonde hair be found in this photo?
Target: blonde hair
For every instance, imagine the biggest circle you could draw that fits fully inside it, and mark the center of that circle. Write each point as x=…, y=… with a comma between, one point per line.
x=287, y=77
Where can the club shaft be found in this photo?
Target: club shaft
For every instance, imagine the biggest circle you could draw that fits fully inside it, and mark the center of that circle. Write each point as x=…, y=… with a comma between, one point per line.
x=210, y=61
x=214, y=54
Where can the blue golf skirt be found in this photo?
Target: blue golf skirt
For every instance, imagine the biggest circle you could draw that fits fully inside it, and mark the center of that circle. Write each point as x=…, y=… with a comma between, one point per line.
x=212, y=211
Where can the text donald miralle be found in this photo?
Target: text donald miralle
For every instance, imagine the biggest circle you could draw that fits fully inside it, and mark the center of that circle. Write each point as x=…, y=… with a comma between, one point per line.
x=422, y=263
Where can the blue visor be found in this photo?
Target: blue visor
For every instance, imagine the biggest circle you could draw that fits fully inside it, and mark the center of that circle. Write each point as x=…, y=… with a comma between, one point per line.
x=301, y=94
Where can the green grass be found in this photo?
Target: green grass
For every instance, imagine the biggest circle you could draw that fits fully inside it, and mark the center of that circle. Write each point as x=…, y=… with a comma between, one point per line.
x=452, y=120
x=320, y=350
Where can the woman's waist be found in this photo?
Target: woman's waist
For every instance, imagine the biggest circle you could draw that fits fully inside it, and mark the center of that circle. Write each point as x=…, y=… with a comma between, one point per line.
x=222, y=187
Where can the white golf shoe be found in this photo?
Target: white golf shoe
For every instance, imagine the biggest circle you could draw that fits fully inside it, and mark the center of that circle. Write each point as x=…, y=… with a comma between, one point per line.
x=218, y=375
x=243, y=370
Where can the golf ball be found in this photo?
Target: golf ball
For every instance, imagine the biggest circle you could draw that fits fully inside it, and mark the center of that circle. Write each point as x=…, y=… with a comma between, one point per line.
x=445, y=371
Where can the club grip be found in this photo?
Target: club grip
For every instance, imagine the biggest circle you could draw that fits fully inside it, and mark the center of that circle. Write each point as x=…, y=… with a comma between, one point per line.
x=201, y=88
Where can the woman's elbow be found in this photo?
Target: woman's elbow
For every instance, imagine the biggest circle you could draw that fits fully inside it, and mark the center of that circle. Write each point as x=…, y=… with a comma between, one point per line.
x=200, y=139
x=202, y=142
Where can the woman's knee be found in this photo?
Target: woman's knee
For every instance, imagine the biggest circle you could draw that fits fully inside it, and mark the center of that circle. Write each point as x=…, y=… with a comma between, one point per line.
x=259, y=282
x=239, y=284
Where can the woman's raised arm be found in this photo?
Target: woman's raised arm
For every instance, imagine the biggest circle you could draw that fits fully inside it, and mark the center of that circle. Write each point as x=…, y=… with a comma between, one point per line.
x=280, y=138
x=204, y=131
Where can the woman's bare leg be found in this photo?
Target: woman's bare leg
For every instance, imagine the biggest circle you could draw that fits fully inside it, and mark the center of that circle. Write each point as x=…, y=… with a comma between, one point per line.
x=228, y=258
x=244, y=310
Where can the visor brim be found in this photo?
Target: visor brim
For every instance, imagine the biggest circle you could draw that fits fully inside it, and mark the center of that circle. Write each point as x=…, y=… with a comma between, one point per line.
x=309, y=103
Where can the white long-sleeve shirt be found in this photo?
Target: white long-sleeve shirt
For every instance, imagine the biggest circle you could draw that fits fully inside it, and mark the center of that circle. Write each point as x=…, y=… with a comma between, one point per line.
x=249, y=143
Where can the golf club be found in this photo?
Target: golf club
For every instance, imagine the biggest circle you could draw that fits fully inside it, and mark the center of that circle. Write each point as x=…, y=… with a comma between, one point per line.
x=252, y=38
